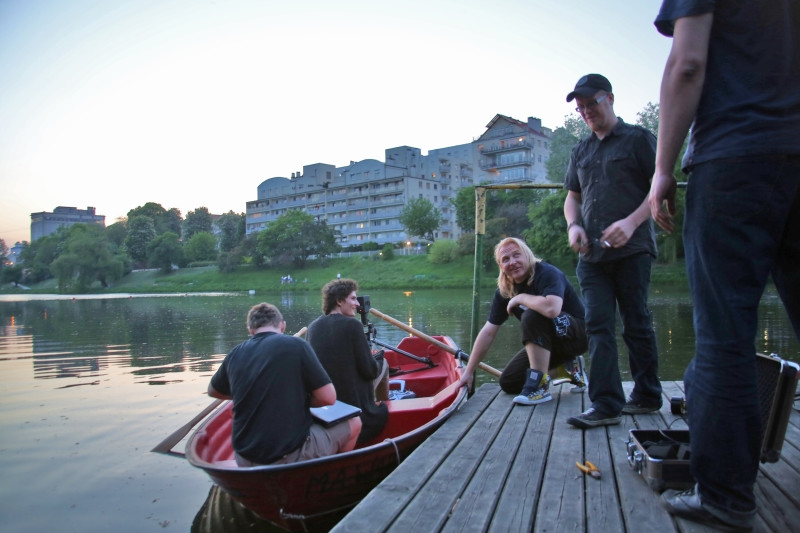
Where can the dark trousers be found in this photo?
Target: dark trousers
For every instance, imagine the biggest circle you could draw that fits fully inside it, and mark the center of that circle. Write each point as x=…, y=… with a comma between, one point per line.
x=564, y=336
x=604, y=285
x=742, y=224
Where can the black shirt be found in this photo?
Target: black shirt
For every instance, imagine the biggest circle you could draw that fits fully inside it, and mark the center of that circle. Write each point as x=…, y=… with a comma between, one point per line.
x=613, y=178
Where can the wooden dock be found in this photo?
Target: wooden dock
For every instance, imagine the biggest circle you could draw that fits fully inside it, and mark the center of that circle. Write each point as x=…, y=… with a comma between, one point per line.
x=496, y=466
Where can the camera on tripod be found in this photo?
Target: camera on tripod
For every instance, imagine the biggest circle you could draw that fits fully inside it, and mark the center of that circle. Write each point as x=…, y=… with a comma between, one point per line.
x=363, y=309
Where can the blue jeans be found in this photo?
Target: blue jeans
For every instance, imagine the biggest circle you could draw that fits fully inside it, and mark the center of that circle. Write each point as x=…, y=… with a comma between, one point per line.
x=742, y=224
x=625, y=282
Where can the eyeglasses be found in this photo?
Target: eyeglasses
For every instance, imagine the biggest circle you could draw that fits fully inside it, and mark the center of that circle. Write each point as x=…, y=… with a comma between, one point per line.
x=591, y=105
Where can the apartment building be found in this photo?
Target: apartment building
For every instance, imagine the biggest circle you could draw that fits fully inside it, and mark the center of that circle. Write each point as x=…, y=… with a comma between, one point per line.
x=45, y=223
x=363, y=200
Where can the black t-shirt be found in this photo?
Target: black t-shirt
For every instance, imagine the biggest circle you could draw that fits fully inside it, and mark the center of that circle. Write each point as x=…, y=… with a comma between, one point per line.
x=270, y=378
x=547, y=281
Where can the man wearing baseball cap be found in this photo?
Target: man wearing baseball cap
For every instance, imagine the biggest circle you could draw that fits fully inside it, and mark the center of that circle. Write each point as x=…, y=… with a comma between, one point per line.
x=609, y=226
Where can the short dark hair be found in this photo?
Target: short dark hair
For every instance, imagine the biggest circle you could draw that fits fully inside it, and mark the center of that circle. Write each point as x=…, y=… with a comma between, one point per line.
x=336, y=290
x=263, y=314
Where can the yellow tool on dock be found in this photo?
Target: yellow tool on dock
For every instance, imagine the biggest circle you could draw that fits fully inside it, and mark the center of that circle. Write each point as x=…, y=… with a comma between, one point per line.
x=589, y=468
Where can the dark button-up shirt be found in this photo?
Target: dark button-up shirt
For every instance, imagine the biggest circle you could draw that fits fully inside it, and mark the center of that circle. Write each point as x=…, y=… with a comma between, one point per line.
x=613, y=178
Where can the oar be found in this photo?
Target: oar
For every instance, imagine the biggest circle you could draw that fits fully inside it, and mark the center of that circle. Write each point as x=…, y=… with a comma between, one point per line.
x=458, y=353
x=166, y=445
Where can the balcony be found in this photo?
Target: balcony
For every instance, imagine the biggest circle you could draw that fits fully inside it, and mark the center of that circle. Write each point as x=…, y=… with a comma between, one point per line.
x=506, y=145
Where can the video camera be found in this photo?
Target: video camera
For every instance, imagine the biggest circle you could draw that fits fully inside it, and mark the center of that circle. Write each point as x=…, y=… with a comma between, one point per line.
x=363, y=309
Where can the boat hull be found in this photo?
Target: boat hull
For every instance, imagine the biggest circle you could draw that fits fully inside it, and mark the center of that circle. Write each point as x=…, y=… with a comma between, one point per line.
x=315, y=494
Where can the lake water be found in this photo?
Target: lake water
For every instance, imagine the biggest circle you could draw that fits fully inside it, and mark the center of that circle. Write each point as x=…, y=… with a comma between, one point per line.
x=90, y=384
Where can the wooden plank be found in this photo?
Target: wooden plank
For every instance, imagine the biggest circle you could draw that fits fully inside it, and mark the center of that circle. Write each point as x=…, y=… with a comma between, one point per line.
x=430, y=507
x=378, y=510
x=476, y=506
x=562, y=501
x=776, y=510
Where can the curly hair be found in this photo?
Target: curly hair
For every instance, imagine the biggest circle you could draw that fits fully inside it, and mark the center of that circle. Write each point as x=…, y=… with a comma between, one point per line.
x=263, y=314
x=335, y=291
x=505, y=283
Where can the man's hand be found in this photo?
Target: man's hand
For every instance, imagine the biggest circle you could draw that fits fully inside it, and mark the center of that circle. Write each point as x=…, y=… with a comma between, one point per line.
x=662, y=200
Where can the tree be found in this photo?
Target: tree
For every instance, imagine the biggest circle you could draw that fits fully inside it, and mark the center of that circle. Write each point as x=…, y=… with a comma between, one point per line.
x=116, y=233
x=141, y=231
x=294, y=237
x=163, y=220
x=547, y=236
x=420, y=218
x=40, y=254
x=196, y=221
x=12, y=274
x=3, y=253
x=201, y=246
x=232, y=228
x=165, y=251
x=87, y=256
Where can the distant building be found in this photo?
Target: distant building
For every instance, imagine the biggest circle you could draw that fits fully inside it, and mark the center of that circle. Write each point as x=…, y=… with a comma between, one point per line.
x=364, y=199
x=45, y=223
x=13, y=253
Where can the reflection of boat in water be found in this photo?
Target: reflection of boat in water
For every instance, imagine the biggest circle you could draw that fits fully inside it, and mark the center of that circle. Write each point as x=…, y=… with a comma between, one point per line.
x=222, y=514
x=315, y=494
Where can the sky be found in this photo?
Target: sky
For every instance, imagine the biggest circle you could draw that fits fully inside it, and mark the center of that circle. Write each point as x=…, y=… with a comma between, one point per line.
x=194, y=103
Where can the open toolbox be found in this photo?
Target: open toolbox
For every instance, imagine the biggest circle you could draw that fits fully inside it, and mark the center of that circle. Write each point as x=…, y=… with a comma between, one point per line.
x=661, y=457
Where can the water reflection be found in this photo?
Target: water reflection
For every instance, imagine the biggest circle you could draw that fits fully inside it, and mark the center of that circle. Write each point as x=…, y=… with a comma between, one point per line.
x=221, y=513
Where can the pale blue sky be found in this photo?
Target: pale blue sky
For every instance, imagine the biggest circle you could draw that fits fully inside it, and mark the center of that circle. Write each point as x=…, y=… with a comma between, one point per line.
x=115, y=103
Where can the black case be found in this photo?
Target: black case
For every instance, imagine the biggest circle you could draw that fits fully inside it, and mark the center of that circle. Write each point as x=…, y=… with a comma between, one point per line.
x=669, y=469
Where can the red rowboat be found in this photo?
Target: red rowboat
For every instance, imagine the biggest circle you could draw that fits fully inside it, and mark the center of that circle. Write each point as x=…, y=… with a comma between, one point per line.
x=315, y=494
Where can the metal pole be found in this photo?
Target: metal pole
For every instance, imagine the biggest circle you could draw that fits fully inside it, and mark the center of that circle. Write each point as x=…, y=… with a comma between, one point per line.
x=480, y=231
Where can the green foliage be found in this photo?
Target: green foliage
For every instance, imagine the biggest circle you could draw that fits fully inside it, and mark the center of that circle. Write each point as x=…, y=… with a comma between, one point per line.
x=232, y=227
x=163, y=220
x=87, y=256
x=196, y=221
x=370, y=246
x=141, y=231
x=40, y=254
x=420, y=218
x=201, y=246
x=116, y=233
x=294, y=237
x=443, y=251
x=165, y=251
x=387, y=252
x=548, y=236
x=11, y=274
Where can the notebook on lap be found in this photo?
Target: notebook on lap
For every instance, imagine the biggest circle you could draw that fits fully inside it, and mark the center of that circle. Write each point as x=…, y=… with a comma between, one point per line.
x=333, y=414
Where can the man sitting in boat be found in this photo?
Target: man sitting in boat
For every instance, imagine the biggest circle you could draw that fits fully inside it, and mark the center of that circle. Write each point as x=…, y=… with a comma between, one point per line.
x=552, y=318
x=273, y=379
x=339, y=341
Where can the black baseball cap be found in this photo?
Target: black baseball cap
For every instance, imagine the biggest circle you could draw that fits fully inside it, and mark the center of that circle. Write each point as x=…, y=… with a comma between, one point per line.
x=589, y=85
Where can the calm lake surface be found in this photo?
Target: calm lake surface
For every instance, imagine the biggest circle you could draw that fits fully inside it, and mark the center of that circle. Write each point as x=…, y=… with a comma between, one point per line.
x=90, y=384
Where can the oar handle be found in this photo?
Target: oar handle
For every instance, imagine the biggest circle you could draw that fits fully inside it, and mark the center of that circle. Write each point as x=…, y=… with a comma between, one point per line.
x=436, y=342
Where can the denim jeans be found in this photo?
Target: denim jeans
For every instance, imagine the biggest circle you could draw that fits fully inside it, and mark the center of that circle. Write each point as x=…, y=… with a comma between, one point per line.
x=742, y=224
x=625, y=282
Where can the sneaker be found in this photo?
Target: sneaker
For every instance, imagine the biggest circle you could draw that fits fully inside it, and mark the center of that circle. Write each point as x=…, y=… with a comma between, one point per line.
x=633, y=407
x=577, y=374
x=592, y=418
x=687, y=504
x=536, y=389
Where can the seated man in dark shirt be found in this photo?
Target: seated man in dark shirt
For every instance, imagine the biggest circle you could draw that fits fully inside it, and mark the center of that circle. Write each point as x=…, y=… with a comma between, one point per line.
x=338, y=339
x=273, y=379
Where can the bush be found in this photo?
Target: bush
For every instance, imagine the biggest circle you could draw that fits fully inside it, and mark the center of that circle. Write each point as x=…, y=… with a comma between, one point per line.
x=387, y=252
x=442, y=251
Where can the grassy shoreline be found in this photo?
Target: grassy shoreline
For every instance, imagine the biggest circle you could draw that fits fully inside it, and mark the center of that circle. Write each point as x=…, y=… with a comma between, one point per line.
x=403, y=272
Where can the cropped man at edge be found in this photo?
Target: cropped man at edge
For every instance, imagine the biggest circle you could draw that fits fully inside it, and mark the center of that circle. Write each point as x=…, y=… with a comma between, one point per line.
x=732, y=75
x=273, y=379
x=339, y=340
x=608, y=224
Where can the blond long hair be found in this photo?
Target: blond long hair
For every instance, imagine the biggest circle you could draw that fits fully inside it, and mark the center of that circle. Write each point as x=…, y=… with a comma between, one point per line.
x=506, y=283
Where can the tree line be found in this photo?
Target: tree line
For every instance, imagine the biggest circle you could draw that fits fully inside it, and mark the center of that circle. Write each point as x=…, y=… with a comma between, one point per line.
x=154, y=237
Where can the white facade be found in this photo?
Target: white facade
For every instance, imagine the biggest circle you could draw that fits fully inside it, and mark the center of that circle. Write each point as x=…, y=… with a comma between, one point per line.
x=364, y=199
